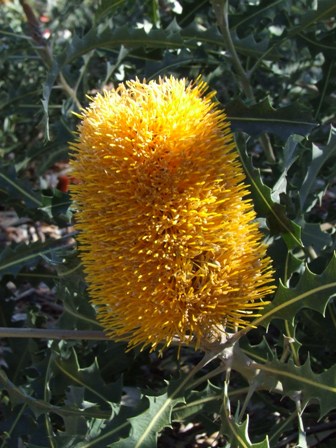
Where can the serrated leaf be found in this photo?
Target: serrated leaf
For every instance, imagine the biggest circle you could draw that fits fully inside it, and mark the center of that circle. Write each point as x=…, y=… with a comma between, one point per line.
x=319, y=156
x=16, y=423
x=265, y=9
x=18, y=189
x=238, y=433
x=106, y=8
x=291, y=151
x=284, y=262
x=19, y=396
x=312, y=291
x=326, y=9
x=14, y=258
x=313, y=235
x=78, y=313
x=248, y=46
x=96, y=391
x=260, y=352
x=172, y=61
x=57, y=206
x=102, y=433
x=262, y=117
x=173, y=37
x=126, y=36
x=301, y=379
x=205, y=400
x=75, y=426
x=147, y=425
x=157, y=416
x=264, y=204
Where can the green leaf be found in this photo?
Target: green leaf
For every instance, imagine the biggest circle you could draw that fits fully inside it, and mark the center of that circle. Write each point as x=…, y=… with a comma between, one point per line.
x=16, y=423
x=248, y=46
x=18, y=395
x=238, y=433
x=206, y=400
x=158, y=415
x=291, y=151
x=260, y=352
x=313, y=235
x=173, y=37
x=126, y=36
x=106, y=8
x=319, y=156
x=104, y=433
x=96, y=391
x=262, y=117
x=18, y=188
x=14, y=258
x=264, y=204
x=78, y=313
x=173, y=61
x=302, y=380
x=326, y=9
x=312, y=291
x=147, y=425
x=57, y=206
x=257, y=12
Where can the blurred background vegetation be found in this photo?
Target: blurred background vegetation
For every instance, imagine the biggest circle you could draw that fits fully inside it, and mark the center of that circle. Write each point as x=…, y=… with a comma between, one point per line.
x=272, y=64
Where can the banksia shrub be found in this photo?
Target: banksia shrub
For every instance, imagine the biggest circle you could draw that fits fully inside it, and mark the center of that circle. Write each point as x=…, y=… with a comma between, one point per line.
x=168, y=238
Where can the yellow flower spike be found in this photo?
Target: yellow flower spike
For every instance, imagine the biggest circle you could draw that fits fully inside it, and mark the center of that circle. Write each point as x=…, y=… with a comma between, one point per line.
x=167, y=236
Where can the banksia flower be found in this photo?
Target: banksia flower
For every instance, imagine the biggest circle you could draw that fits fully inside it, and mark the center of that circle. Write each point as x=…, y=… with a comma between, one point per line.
x=167, y=237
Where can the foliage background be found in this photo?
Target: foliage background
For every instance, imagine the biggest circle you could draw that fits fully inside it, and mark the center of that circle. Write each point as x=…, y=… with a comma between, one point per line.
x=274, y=73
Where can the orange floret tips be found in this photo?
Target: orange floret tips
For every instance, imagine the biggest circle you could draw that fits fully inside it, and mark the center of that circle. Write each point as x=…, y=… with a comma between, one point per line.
x=167, y=236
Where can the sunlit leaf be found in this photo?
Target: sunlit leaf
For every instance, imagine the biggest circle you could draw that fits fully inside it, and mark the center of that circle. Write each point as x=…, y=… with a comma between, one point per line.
x=145, y=426
x=312, y=291
x=303, y=383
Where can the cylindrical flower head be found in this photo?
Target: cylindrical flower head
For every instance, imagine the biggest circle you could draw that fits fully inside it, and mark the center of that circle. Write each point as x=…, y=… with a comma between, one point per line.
x=168, y=240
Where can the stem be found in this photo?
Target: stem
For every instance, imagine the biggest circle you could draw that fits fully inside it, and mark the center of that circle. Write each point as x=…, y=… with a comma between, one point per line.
x=206, y=377
x=46, y=398
x=44, y=50
x=221, y=9
x=8, y=434
x=301, y=429
x=289, y=341
x=69, y=90
x=226, y=390
x=37, y=333
x=267, y=147
x=282, y=427
x=248, y=397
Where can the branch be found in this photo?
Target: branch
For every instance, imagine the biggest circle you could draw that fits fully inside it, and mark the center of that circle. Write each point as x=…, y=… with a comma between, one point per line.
x=37, y=333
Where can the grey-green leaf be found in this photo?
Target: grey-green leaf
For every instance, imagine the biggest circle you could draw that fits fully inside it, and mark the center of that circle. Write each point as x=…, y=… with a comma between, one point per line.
x=312, y=291
x=262, y=117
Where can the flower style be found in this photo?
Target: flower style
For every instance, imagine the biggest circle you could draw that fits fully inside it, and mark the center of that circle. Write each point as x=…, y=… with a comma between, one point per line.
x=168, y=239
